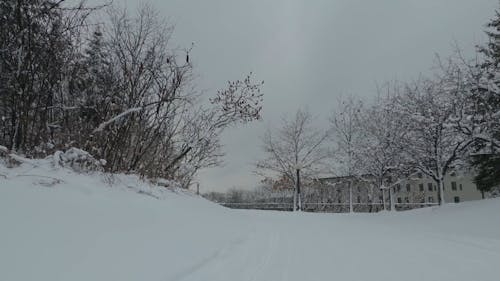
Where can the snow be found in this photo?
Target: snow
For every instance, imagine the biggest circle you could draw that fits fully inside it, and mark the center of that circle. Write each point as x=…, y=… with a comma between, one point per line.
x=56, y=224
x=103, y=125
x=77, y=159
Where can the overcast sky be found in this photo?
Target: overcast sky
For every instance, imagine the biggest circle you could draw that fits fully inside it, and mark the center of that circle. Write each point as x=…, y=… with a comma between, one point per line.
x=310, y=52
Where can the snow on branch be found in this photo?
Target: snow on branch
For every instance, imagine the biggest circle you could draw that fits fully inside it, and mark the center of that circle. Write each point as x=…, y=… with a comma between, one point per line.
x=104, y=124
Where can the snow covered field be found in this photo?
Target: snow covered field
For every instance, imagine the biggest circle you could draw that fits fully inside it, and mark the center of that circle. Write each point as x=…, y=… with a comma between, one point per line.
x=59, y=225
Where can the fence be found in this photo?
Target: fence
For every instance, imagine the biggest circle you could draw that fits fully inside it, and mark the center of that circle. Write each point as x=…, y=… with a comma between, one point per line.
x=325, y=207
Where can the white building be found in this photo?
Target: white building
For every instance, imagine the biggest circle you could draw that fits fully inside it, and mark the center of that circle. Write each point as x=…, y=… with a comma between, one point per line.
x=457, y=188
x=419, y=191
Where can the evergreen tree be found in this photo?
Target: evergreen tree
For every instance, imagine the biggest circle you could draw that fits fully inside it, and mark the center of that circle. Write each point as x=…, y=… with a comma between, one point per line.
x=486, y=160
x=92, y=91
x=492, y=48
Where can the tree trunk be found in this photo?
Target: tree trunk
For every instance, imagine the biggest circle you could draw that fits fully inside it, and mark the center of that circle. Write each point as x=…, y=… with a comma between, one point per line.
x=383, y=199
x=298, y=198
x=391, y=198
x=295, y=198
x=351, y=207
x=441, y=192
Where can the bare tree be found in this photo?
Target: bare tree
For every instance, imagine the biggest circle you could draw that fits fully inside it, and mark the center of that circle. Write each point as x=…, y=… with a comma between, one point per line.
x=38, y=41
x=381, y=149
x=158, y=126
x=121, y=92
x=348, y=136
x=295, y=150
x=432, y=143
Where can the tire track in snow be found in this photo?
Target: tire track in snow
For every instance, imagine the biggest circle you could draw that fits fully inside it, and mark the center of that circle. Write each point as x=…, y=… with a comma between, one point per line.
x=491, y=248
x=285, y=273
x=210, y=259
x=270, y=252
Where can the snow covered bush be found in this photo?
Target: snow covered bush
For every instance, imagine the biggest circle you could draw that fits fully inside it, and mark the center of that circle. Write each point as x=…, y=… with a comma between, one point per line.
x=8, y=159
x=3, y=154
x=3, y=151
x=170, y=184
x=78, y=160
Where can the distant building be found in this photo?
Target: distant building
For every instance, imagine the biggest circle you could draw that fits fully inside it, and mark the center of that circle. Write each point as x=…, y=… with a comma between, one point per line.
x=457, y=188
x=415, y=192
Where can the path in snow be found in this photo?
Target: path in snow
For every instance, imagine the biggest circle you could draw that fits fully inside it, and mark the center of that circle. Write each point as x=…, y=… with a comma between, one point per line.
x=287, y=246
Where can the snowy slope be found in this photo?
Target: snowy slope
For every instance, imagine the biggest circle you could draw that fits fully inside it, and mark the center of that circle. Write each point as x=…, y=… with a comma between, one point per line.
x=78, y=227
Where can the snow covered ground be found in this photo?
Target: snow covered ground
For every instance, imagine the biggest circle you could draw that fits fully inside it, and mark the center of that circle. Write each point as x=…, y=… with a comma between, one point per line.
x=59, y=225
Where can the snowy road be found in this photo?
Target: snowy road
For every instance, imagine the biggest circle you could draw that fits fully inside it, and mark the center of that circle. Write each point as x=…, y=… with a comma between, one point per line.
x=284, y=246
x=82, y=231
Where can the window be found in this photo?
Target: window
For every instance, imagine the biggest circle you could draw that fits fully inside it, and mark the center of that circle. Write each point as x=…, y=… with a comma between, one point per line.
x=359, y=199
x=456, y=199
x=421, y=187
x=454, y=185
x=429, y=186
x=460, y=187
x=419, y=175
x=453, y=174
x=408, y=187
x=406, y=200
x=399, y=200
x=398, y=187
x=431, y=199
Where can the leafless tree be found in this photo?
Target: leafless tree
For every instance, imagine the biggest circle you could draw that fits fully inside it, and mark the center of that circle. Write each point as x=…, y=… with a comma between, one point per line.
x=348, y=137
x=121, y=92
x=429, y=109
x=295, y=150
x=38, y=41
x=381, y=150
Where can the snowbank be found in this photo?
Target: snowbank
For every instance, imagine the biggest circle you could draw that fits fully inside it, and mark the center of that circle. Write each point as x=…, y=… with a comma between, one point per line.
x=56, y=224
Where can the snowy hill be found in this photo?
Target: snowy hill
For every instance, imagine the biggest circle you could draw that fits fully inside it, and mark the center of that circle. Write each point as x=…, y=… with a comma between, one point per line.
x=56, y=224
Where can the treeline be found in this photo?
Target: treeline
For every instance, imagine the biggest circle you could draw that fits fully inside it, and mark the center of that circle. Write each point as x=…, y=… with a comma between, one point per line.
x=317, y=197
x=443, y=123
x=448, y=121
x=115, y=87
